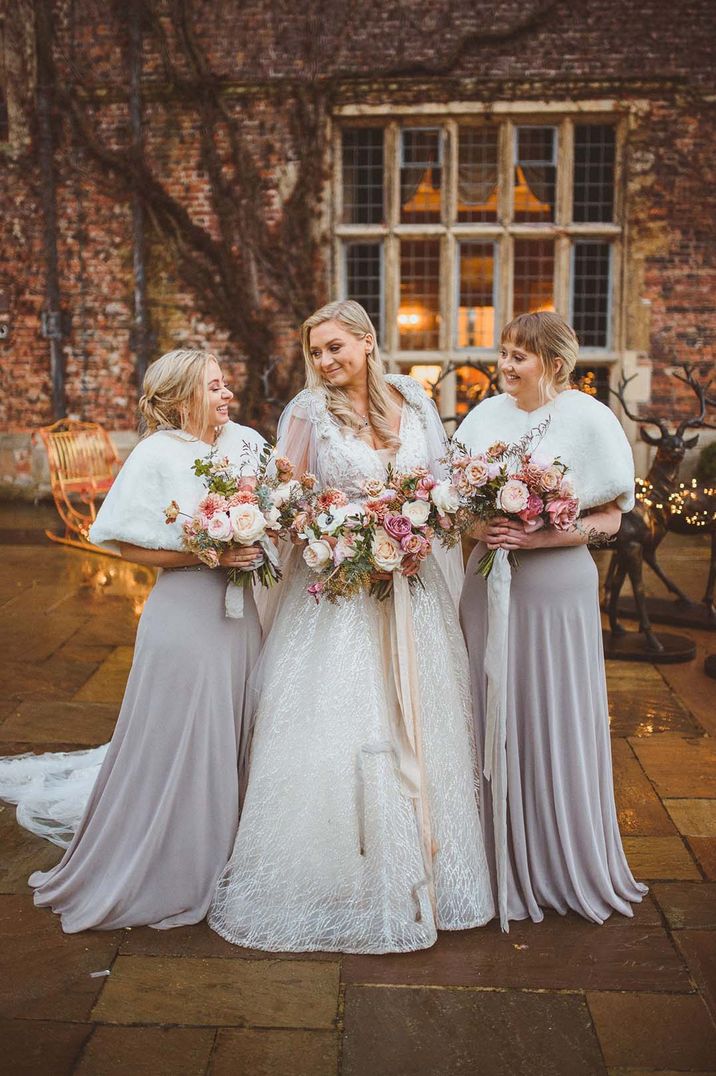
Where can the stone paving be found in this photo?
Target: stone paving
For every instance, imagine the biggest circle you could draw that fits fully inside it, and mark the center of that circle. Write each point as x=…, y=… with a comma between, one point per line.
x=565, y=997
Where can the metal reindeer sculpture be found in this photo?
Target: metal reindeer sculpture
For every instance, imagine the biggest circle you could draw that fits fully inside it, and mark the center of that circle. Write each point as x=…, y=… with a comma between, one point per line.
x=643, y=528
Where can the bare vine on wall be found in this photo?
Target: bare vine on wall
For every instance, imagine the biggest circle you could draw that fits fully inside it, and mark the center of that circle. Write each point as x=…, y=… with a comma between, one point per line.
x=250, y=267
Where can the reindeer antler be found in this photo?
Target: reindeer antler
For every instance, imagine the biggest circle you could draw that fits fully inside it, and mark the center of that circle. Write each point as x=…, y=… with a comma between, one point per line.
x=701, y=389
x=643, y=420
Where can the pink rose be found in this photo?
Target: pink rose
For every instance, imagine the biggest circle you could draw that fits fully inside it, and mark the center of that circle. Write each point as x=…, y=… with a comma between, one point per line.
x=445, y=523
x=550, y=480
x=533, y=509
x=566, y=489
x=412, y=543
x=513, y=496
x=426, y=483
x=476, y=473
x=388, y=495
x=397, y=527
x=563, y=512
x=497, y=449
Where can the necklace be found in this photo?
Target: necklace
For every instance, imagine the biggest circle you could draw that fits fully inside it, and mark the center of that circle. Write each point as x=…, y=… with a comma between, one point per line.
x=364, y=419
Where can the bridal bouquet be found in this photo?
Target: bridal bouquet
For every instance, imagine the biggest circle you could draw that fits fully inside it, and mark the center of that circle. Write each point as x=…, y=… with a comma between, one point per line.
x=515, y=481
x=359, y=545
x=243, y=511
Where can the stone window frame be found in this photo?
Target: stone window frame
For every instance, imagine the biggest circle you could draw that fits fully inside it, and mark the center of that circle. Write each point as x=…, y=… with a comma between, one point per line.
x=508, y=115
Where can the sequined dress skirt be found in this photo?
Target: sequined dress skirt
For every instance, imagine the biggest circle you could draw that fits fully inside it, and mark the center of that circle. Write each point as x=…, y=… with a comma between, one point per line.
x=328, y=853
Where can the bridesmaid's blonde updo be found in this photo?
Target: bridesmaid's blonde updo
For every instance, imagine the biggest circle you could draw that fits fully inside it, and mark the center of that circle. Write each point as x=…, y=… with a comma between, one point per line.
x=174, y=392
x=548, y=336
x=382, y=409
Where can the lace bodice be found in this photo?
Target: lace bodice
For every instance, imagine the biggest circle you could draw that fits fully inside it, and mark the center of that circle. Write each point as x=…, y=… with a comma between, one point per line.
x=345, y=461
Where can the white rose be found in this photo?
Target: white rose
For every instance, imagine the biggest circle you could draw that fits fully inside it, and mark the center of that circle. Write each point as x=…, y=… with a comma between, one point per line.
x=283, y=493
x=219, y=527
x=513, y=496
x=273, y=518
x=445, y=498
x=416, y=511
x=247, y=523
x=387, y=554
x=318, y=555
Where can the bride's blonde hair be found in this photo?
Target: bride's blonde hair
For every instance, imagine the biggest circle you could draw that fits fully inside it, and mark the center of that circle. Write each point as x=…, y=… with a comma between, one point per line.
x=382, y=409
x=174, y=392
x=548, y=336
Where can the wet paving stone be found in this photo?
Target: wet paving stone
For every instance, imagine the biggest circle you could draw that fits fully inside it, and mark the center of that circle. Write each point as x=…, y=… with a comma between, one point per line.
x=638, y=712
x=147, y=1051
x=699, y=950
x=273, y=1053
x=109, y=681
x=679, y=766
x=557, y=954
x=45, y=974
x=218, y=992
x=704, y=852
x=660, y=859
x=639, y=809
x=654, y=1031
x=694, y=818
x=41, y=1048
x=199, y=941
x=687, y=904
x=55, y=678
x=48, y=722
x=36, y=639
x=22, y=853
x=406, y=1032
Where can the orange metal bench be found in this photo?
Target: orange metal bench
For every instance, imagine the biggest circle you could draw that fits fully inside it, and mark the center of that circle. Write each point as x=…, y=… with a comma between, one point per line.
x=83, y=464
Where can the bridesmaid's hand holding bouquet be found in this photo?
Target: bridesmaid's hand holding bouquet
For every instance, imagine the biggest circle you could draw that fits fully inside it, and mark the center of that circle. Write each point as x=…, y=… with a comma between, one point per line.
x=513, y=482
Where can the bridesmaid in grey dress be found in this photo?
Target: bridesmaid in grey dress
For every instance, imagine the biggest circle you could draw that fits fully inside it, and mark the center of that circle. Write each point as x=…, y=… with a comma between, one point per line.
x=161, y=816
x=548, y=809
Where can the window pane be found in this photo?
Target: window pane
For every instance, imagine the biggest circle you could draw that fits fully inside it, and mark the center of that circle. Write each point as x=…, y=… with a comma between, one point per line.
x=363, y=175
x=477, y=174
x=364, y=279
x=533, y=275
x=476, y=306
x=535, y=173
x=419, y=313
x=420, y=175
x=594, y=152
x=590, y=292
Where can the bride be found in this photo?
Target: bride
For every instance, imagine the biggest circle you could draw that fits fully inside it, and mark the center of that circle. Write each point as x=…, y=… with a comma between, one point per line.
x=359, y=830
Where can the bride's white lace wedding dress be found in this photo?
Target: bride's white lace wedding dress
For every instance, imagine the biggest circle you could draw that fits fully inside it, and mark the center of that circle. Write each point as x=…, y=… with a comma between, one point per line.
x=359, y=829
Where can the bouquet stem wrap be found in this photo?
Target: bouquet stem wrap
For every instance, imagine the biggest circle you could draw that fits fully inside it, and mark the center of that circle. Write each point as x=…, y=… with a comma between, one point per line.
x=495, y=760
x=238, y=581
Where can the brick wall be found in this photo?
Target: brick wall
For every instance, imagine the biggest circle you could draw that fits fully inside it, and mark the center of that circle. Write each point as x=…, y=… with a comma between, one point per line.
x=656, y=60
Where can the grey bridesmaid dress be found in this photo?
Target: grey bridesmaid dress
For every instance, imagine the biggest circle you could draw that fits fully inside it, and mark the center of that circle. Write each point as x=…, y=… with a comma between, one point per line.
x=564, y=849
x=162, y=815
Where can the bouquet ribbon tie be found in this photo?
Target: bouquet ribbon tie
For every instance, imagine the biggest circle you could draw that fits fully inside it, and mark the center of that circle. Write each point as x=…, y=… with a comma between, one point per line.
x=234, y=597
x=495, y=760
x=400, y=655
